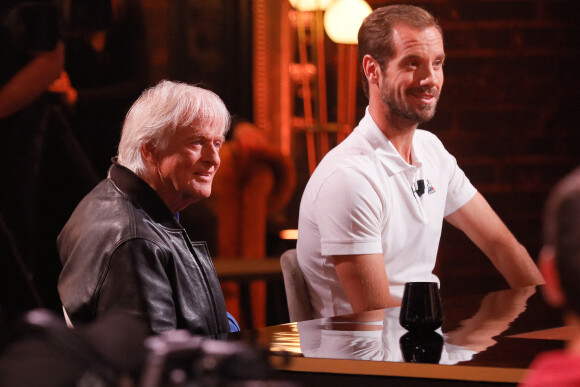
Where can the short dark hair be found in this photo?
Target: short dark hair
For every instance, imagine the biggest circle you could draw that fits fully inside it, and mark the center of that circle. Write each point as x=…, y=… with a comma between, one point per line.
x=562, y=233
x=375, y=36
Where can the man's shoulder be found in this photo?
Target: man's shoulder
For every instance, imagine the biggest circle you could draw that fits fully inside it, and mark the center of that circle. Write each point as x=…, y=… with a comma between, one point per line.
x=354, y=152
x=345, y=167
x=103, y=201
x=352, y=159
x=104, y=213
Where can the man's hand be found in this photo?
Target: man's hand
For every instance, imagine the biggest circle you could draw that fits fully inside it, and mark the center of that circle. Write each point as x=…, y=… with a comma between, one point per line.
x=364, y=280
x=63, y=88
x=482, y=225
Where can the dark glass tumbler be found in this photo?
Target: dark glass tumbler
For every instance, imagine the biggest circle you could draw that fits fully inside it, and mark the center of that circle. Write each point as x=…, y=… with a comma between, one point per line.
x=421, y=307
x=421, y=347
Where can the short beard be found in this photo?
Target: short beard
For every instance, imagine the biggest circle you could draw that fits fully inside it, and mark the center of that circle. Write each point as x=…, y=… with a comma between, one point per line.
x=424, y=114
x=407, y=114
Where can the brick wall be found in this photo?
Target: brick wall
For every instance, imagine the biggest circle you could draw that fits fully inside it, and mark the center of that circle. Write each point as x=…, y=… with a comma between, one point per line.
x=507, y=111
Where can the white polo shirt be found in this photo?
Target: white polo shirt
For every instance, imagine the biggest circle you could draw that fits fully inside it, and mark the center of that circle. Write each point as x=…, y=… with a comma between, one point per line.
x=362, y=199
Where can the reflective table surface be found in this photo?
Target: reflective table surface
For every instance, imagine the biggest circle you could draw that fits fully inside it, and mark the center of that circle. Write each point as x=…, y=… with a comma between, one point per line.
x=484, y=338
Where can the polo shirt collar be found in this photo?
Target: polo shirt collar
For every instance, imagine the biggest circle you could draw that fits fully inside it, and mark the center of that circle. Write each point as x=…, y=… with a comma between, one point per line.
x=384, y=148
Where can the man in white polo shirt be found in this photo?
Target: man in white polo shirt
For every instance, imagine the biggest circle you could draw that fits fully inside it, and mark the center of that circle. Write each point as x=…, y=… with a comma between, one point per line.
x=372, y=212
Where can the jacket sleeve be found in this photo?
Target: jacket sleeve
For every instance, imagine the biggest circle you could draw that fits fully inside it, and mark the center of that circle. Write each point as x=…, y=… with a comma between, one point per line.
x=136, y=283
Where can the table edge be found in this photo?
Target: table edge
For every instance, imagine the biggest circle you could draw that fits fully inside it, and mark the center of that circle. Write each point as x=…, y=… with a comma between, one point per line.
x=412, y=370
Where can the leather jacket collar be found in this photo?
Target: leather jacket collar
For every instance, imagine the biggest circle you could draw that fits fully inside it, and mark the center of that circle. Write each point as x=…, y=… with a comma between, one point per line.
x=141, y=195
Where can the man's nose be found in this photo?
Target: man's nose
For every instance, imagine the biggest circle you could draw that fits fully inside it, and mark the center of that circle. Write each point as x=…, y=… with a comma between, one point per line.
x=211, y=154
x=431, y=77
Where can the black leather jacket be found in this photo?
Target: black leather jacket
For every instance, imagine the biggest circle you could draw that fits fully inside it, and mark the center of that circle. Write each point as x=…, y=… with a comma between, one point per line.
x=122, y=249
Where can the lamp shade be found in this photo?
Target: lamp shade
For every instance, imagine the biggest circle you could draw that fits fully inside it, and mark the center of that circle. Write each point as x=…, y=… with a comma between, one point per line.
x=310, y=5
x=343, y=18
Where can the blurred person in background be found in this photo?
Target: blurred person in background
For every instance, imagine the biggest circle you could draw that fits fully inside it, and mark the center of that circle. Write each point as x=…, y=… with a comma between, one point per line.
x=560, y=264
x=32, y=53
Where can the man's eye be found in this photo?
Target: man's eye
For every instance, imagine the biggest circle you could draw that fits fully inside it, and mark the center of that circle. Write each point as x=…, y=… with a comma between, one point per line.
x=438, y=63
x=196, y=143
x=218, y=144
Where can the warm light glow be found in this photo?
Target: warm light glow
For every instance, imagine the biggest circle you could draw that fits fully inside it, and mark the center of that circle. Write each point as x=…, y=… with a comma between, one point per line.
x=287, y=341
x=310, y=5
x=289, y=234
x=343, y=18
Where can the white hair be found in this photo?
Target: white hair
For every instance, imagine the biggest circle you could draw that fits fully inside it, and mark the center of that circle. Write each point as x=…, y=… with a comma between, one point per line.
x=160, y=110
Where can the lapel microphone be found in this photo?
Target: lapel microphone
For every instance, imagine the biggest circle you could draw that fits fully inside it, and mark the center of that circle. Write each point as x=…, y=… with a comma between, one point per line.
x=420, y=187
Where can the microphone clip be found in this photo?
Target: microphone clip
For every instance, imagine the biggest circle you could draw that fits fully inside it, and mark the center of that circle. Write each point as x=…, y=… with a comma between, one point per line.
x=419, y=187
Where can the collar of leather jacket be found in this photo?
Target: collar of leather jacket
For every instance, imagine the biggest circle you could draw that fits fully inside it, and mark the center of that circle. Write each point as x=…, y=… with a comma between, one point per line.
x=142, y=195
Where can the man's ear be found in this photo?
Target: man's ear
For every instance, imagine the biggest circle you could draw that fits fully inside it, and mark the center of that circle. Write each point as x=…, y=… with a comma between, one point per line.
x=371, y=69
x=552, y=290
x=147, y=151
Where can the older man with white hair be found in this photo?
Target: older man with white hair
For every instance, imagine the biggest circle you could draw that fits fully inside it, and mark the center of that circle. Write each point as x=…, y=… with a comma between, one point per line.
x=123, y=248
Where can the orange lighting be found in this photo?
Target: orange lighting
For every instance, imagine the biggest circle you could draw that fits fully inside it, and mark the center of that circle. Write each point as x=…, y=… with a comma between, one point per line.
x=343, y=18
x=289, y=234
x=309, y=5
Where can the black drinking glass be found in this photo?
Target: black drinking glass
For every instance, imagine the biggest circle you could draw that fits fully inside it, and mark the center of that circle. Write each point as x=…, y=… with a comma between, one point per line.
x=421, y=307
x=421, y=347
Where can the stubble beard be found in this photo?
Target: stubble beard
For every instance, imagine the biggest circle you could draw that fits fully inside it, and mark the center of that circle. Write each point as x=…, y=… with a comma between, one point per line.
x=406, y=113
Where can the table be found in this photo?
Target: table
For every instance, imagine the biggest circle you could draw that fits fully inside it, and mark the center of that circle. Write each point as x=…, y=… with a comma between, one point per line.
x=247, y=269
x=486, y=338
x=244, y=271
